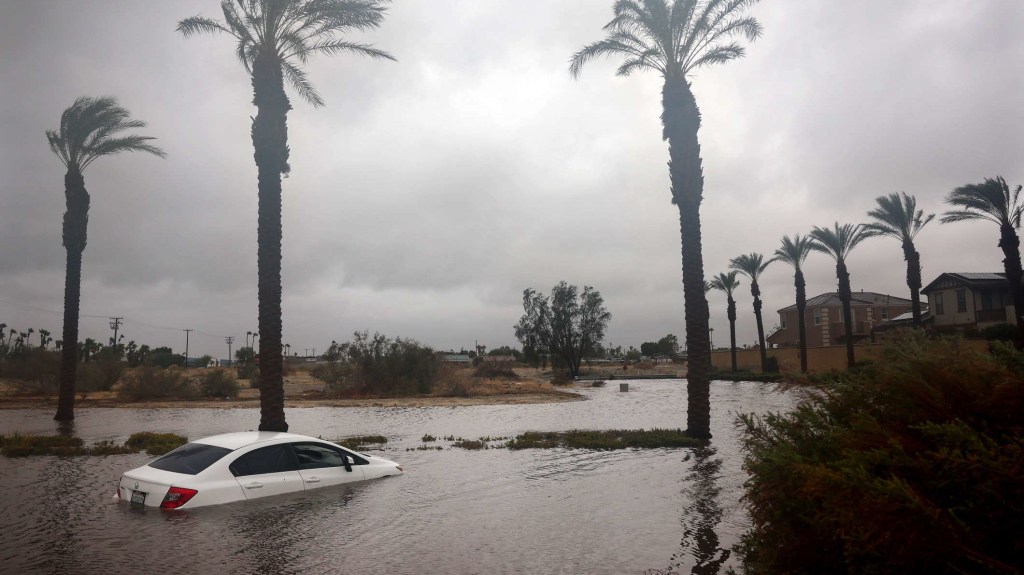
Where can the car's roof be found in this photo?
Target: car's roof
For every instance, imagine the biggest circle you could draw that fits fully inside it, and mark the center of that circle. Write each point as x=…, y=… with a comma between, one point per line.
x=241, y=439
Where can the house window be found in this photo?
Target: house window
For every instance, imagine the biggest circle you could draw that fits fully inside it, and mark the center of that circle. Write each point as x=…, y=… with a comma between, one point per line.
x=782, y=320
x=961, y=301
x=838, y=315
x=938, y=304
x=817, y=316
x=885, y=313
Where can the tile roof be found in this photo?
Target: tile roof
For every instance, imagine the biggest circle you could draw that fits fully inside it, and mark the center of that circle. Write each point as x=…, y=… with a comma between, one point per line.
x=861, y=298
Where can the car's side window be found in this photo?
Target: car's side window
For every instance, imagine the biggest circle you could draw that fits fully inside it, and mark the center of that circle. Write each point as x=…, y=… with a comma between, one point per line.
x=271, y=459
x=315, y=456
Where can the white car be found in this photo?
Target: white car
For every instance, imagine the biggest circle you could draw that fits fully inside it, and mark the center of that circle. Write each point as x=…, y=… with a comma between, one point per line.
x=246, y=465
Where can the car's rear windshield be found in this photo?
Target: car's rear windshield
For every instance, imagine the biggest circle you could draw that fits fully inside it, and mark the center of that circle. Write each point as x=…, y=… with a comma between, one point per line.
x=190, y=458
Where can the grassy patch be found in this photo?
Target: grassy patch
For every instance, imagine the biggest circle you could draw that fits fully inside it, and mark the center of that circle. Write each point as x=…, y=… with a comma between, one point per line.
x=361, y=442
x=155, y=443
x=471, y=444
x=18, y=445
x=605, y=439
x=428, y=438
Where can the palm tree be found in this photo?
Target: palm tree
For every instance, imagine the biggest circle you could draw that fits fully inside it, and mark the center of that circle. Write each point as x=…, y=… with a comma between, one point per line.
x=90, y=129
x=837, y=243
x=274, y=38
x=753, y=265
x=897, y=216
x=726, y=282
x=675, y=38
x=794, y=252
x=991, y=200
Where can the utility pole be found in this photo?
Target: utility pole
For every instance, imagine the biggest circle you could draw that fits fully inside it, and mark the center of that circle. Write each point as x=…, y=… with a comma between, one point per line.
x=187, y=331
x=115, y=322
x=229, y=339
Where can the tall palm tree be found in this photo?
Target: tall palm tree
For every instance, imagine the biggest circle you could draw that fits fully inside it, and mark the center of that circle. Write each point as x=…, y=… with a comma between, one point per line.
x=992, y=200
x=726, y=282
x=794, y=252
x=674, y=38
x=753, y=265
x=837, y=243
x=274, y=38
x=90, y=129
x=897, y=216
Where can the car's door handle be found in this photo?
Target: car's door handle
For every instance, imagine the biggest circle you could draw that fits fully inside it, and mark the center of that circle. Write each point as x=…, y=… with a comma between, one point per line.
x=313, y=480
x=254, y=485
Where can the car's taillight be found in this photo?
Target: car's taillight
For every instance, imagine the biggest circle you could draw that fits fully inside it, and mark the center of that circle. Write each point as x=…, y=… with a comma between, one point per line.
x=176, y=497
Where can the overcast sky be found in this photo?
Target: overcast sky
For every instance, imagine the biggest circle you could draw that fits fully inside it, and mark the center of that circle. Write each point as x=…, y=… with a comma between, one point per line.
x=430, y=192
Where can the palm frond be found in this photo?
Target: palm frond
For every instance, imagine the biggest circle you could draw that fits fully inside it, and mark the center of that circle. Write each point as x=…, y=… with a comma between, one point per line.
x=87, y=132
x=794, y=251
x=297, y=78
x=725, y=282
x=751, y=265
x=897, y=216
x=196, y=25
x=990, y=200
x=839, y=241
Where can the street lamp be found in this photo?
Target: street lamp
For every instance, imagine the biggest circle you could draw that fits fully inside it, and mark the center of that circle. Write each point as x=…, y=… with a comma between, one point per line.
x=711, y=337
x=247, y=334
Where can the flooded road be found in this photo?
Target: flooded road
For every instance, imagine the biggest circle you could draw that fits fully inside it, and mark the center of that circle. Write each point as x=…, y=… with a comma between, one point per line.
x=454, y=511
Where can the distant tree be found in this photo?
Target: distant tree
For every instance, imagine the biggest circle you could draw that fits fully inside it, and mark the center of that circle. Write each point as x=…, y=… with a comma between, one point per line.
x=505, y=351
x=674, y=39
x=649, y=348
x=897, y=216
x=727, y=283
x=992, y=200
x=753, y=265
x=794, y=252
x=571, y=327
x=633, y=354
x=274, y=38
x=534, y=329
x=668, y=345
x=89, y=348
x=44, y=338
x=837, y=243
x=89, y=129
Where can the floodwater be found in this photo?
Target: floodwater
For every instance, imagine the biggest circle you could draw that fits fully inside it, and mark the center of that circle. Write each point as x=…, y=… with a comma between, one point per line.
x=454, y=511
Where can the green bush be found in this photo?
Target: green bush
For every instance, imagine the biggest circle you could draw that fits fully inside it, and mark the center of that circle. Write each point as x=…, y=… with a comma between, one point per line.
x=249, y=371
x=34, y=370
x=219, y=382
x=333, y=374
x=155, y=443
x=910, y=465
x=495, y=370
x=1000, y=332
x=148, y=383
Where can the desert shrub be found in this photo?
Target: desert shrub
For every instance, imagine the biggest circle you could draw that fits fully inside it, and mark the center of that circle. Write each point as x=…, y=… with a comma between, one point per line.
x=453, y=381
x=333, y=374
x=148, y=383
x=909, y=466
x=249, y=371
x=362, y=442
x=219, y=382
x=560, y=377
x=18, y=445
x=495, y=370
x=163, y=358
x=100, y=375
x=388, y=367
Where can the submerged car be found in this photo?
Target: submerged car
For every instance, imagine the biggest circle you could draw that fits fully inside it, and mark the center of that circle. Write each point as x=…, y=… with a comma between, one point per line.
x=246, y=465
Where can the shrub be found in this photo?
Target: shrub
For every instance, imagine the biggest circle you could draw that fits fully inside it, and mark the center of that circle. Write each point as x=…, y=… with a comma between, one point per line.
x=381, y=366
x=911, y=465
x=150, y=383
x=1000, y=332
x=249, y=371
x=34, y=370
x=219, y=382
x=603, y=439
x=453, y=381
x=333, y=374
x=100, y=375
x=361, y=442
x=496, y=370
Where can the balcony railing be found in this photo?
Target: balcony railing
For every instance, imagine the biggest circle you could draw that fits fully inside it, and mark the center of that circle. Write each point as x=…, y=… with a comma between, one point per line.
x=987, y=315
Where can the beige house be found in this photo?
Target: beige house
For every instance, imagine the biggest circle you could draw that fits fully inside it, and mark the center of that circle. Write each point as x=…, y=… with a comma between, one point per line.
x=961, y=301
x=823, y=319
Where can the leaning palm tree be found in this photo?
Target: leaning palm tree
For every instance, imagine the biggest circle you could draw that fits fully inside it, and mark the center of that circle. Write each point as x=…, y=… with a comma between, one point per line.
x=991, y=200
x=726, y=282
x=274, y=38
x=837, y=243
x=897, y=217
x=675, y=38
x=90, y=129
x=794, y=252
x=753, y=265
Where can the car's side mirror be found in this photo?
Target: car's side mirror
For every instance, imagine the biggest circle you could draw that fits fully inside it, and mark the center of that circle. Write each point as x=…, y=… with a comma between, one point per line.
x=348, y=462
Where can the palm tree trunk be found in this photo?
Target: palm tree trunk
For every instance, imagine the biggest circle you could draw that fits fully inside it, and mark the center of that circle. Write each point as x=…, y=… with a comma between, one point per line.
x=731, y=312
x=270, y=141
x=845, y=295
x=76, y=221
x=681, y=121
x=913, y=260
x=801, y=309
x=755, y=291
x=1010, y=244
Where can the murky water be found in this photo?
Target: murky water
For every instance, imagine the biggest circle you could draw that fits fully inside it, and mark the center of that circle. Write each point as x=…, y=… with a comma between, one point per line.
x=454, y=511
